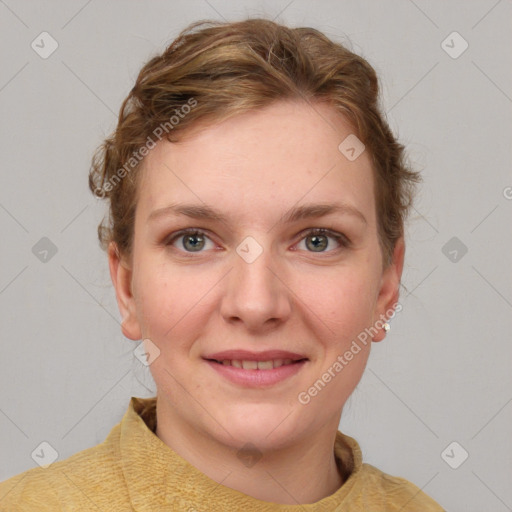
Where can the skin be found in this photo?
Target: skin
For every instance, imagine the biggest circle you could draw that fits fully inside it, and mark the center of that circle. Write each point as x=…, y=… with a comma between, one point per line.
x=254, y=168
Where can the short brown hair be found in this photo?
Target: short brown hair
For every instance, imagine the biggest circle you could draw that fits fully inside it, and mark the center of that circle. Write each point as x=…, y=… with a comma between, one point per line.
x=213, y=71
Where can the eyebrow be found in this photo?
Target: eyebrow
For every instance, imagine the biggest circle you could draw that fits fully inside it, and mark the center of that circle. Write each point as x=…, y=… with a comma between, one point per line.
x=204, y=212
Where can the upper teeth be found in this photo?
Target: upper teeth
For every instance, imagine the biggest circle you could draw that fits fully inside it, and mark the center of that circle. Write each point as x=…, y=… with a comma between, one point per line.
x=257, y=365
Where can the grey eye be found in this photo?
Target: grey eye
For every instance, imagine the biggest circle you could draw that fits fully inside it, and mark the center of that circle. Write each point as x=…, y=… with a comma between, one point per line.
x=193, y=243
x=191, y=240
x=317, y=243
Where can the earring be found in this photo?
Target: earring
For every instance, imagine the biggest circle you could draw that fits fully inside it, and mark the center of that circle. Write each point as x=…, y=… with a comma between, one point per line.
x=386, y=327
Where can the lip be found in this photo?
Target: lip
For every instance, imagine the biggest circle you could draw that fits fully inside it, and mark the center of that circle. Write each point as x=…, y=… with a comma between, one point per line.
x=256, y=378
x=245, y=355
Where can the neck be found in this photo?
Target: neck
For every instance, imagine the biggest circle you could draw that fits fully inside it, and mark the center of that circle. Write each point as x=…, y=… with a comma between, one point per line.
x=300, y=474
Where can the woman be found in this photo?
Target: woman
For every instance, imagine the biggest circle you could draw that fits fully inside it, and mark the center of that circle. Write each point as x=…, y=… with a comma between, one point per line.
x=255, y=242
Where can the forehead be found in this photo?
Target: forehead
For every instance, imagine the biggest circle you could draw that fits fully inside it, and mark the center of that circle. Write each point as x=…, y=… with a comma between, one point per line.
x=287, y=152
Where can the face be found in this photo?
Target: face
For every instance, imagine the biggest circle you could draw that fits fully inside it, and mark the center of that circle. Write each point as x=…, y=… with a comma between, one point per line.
x=256, y=264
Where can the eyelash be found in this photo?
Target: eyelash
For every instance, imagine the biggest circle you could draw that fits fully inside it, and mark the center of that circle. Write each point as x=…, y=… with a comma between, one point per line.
x=340, y=239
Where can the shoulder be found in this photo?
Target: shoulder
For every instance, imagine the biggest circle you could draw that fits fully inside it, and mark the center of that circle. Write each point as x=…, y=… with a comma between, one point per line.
x=30, y=490
x=371, y=489
x=393, y=493
x=67, y=484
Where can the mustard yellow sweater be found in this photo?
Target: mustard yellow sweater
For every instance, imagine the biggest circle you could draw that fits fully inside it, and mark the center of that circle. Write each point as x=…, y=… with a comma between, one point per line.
x=134, y=470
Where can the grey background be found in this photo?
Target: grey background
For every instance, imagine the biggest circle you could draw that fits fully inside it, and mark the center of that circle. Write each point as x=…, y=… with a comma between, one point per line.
x=443, y=373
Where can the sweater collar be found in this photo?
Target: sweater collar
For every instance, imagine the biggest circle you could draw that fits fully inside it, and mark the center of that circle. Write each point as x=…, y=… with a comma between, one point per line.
x=158, y=478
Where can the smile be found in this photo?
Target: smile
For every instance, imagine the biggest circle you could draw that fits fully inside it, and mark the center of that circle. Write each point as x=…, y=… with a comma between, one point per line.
x=257, y=365
x=253, y=369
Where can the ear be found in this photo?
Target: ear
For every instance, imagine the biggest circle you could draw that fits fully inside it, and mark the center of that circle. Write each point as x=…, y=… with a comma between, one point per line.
x=121, y=275
x=389, y=289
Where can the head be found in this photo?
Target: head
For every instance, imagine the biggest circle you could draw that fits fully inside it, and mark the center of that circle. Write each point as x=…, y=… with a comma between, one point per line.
x=249, y=135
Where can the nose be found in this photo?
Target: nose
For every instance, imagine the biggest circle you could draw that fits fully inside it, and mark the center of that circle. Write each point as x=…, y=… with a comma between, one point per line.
x=256, y=295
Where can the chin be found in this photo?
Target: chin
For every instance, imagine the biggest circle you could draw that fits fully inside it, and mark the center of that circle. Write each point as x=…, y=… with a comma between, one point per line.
x=266, y=426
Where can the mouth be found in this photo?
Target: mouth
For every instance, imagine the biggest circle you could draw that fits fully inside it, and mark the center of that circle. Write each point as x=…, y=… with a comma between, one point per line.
x=248, y=364
x=256, y=369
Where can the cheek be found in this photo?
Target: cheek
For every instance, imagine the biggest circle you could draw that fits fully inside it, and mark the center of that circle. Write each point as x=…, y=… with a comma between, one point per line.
x=170, y=301
x=153, y=297
x=341, y=309
x=341, y=301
